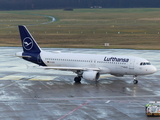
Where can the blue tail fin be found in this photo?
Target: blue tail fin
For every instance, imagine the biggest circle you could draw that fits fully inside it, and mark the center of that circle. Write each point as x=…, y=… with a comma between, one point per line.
x=28, y=43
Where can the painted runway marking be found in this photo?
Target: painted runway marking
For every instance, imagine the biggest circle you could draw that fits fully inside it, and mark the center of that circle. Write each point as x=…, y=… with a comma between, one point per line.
x=34, y=79
x=107, y=101
x=8, y=85
x=106, y=76
x=45, y=85
x=12, y=77
x=41, y=78
x=74, y=110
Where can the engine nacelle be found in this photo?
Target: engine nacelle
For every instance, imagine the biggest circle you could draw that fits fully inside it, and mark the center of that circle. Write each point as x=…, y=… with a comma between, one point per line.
x=91, y=75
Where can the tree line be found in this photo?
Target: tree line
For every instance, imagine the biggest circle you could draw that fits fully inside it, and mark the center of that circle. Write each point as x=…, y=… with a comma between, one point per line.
x=55, y=4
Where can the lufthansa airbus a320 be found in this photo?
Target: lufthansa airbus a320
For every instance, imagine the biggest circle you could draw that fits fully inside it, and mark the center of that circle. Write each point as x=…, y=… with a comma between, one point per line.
x=86, y=66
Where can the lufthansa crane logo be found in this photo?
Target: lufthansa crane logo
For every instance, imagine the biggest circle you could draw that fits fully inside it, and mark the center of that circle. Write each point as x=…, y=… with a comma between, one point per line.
x=27, y=43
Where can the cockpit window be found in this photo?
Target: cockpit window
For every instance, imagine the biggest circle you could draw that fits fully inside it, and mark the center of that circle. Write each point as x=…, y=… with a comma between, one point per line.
x=145, y=63
x=148, y=63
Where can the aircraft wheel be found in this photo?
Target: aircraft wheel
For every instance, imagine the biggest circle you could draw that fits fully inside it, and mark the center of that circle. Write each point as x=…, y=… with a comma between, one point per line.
x=77, y=79
x=135, y=81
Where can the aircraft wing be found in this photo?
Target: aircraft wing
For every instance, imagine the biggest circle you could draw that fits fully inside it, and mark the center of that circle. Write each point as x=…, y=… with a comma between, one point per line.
x=70, y=68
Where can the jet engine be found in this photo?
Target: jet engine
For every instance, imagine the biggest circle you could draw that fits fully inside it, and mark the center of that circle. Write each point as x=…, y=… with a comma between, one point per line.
x=91, y=75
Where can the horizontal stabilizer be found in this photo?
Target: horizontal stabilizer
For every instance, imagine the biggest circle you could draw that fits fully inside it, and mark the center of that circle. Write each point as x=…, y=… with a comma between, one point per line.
x=24, y=56
x=21, y=56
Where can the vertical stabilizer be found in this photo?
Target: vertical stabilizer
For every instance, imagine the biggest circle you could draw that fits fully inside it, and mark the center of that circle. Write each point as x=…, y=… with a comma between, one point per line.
x=28, y=43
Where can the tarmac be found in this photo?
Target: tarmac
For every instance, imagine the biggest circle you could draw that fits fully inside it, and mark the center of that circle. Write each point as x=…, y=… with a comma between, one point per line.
x=30, y=93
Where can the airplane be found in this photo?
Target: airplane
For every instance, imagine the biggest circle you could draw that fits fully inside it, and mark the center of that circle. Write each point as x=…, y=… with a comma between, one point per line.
x=86, y=66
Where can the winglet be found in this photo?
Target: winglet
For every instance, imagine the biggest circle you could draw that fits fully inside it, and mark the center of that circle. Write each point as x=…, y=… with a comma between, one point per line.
x=28, y=43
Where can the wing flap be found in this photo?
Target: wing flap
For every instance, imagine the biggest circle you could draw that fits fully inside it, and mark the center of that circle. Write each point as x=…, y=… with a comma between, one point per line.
x=70, y=68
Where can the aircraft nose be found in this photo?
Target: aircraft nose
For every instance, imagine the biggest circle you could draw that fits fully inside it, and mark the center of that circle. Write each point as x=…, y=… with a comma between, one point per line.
x=153, y=69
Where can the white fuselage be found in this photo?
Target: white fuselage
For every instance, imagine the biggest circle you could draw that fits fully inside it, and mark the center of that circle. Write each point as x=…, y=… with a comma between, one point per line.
x=108, y=64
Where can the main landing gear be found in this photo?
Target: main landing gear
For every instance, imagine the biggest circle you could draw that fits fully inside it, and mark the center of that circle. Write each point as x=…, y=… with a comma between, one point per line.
x=79, y=76
x=77, y=79
x=135, y=81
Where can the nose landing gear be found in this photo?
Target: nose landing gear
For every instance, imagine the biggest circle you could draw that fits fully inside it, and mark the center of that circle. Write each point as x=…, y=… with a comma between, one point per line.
x=135, y=81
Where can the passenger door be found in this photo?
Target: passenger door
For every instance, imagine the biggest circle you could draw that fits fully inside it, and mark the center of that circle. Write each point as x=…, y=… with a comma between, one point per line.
x=131, y=66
